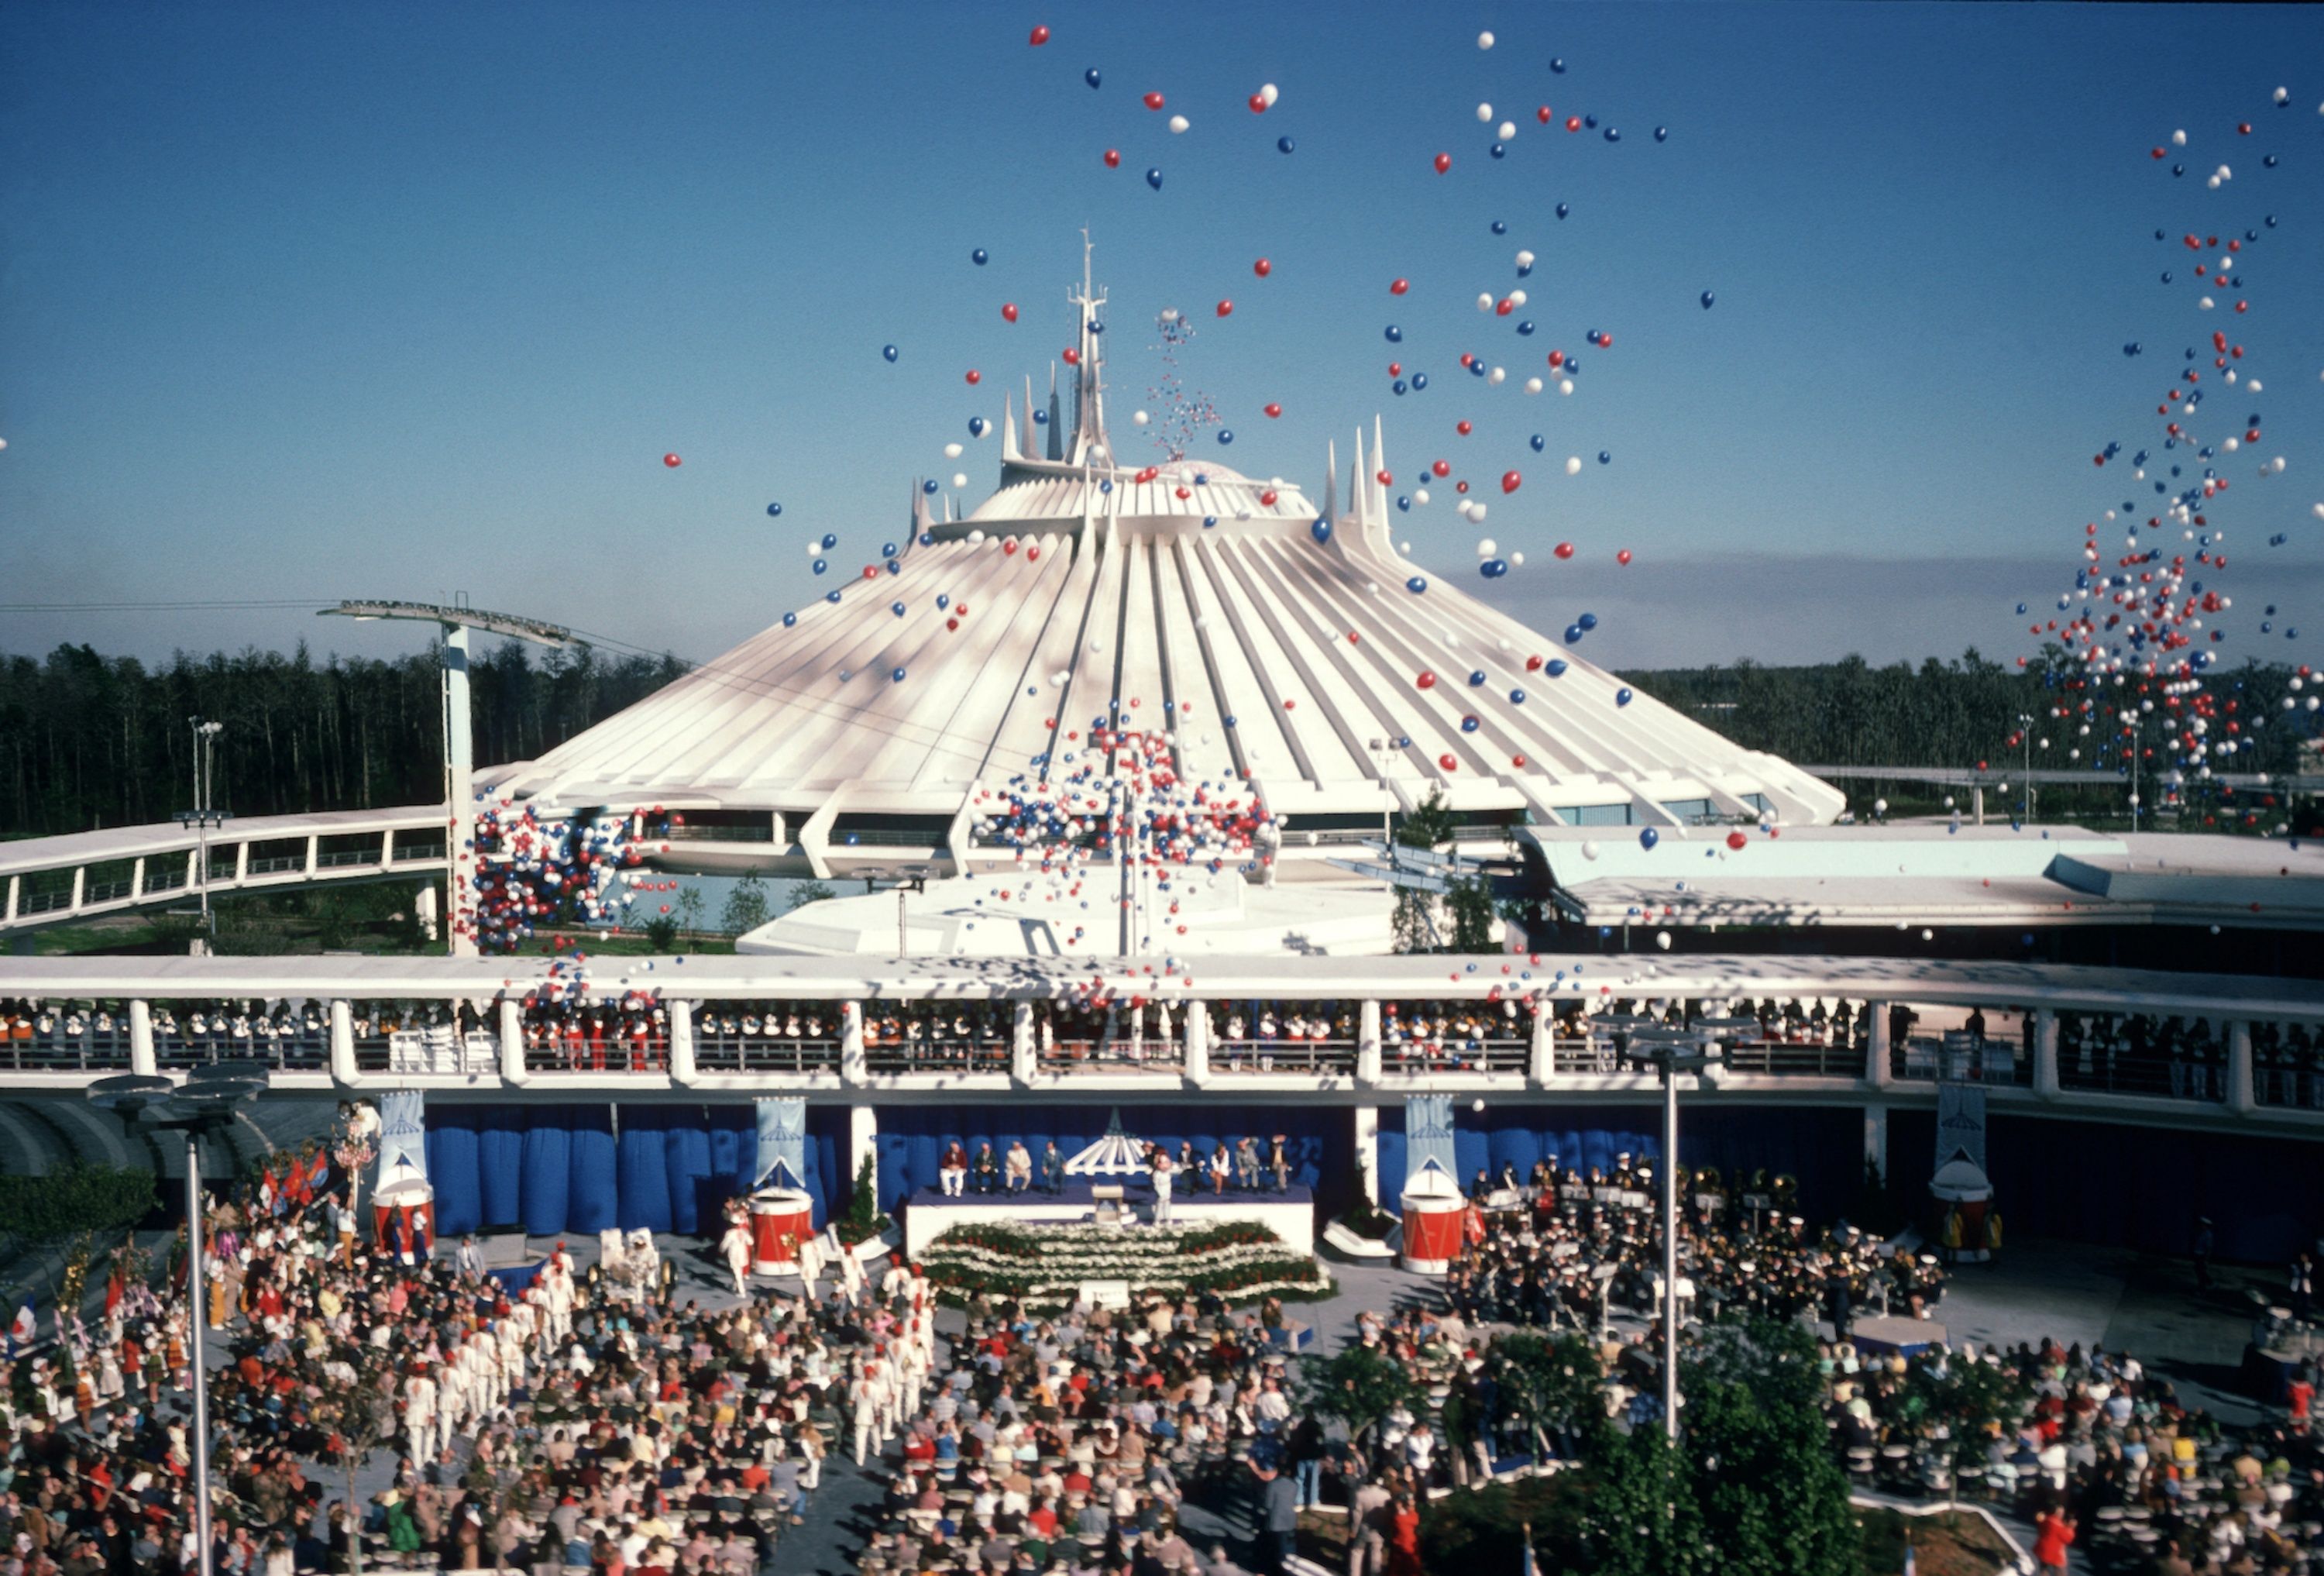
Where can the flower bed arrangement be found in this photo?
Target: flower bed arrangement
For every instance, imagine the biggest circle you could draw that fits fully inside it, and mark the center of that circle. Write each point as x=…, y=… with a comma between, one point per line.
x=1046, y=1265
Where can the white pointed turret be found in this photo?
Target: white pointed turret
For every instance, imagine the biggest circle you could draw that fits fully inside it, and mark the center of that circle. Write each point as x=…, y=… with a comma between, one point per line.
x=1009, y=425
x=1379, y=468
x=1089, y=389
x=1331, y=482
x=1359, y=486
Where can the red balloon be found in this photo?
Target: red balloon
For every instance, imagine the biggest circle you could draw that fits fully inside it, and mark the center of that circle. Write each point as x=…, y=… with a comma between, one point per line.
x=1542, y=115
x=1154, y=101
x=975, y=376
x=1511, y=481
x=1273, y=410
x=1460, y=486
x=1040, y=36
x=1009, y=311
x=1259, y=103
x=1396, y=369
x=1533, y=663
x=1113, y=157
x=1384, y=478
x=870, y=571
x=1461, y=427
x=1443, y=468
x=1226, y=308
x=1426, y=680
x=1564, y=550
x=1262, y=268
x=1448, y=763
x=1268, y=497
x=1736, y=840
x=672, y=461
x=1289, y=705
x=1502, y=308
x=1353, y=638
x=1009, y=546
x=1557, y=358
x=1443, y=162
x=1397, y=286
x=1072, y=356
x=1623, y=556
x=1572, y=123
x=1518, y=760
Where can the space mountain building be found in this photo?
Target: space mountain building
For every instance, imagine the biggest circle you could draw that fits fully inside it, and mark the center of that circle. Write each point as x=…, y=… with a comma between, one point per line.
x=1279, y=643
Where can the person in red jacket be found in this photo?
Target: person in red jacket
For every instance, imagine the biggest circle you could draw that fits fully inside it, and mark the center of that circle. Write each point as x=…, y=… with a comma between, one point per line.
x=2053, y=1531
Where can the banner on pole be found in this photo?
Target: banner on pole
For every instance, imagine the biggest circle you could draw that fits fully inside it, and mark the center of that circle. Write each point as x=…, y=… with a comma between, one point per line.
x=1961, y=1123
x=782, y=1138
x=1428, y=1134
x=402, y=1134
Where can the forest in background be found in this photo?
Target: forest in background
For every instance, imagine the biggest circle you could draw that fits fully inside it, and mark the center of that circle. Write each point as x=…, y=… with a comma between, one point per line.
x=87, y=740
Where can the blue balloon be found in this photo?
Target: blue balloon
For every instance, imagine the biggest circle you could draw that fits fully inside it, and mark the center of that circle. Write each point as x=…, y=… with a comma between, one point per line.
x=1526, y=326
x=773, y=510
x=1588, y=621
x=1662, y=134
x=1285, y=144
x=927, y=539
x=1403, y=504
x=1558, y=65
x=1501, y=226
x=1708, y=297
x=978, y=257
x=1395, y=334
x=887, y=549
x=1613, y=135
x=929, y=485
x=897, y=608
x=1321, y=531
x=1416, y=585
x=1226, y=435
x=1476, y=678
x=1397, y=386
x=1648, y=837
x=944, y=600
x=889, y=351
x=1202, y=479
x=1230, y=720
x=832, y=597
x=1493, y=569
x=790, y=619
x=821, y=565
x=976, y=427
x=1498, y=151
x=1563, y=209
x=1573, y=634
x=1517, y=697
x=1621, y=698
x=1605, y=456
x=830, y=541
x=1040, y=418
x=1468, y=725
x=1554, y=668
x=1419, y=381
x=1090, y=77
x=1539, y=443
x=898, y=675
x=1154, y=179
x=1591, y=121
x=1105, y=486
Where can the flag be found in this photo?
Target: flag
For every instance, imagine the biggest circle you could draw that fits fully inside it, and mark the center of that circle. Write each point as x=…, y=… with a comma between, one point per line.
x=25, y=1329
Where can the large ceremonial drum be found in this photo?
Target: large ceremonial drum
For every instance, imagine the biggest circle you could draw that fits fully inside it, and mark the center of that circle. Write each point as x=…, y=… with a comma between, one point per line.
x=780, y=1218
x=407, y=1202
x=1433, y=1211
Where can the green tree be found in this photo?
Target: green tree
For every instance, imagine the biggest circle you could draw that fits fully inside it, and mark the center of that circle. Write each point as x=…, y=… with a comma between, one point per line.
x=807, y=892
x=1429, y=825
x=1470, y=903
x=1557, y=1385
x=1410, y=925
x=350, y=1393
x=1640, y=1517
x=1360, y=1386
x=77, y=1199
x=746, y=906
x=1772, y=1499
x=863, y=1220
x=689, y=908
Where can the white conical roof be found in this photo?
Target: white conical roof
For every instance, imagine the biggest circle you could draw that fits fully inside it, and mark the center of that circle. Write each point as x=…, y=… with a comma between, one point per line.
x=1185, y=597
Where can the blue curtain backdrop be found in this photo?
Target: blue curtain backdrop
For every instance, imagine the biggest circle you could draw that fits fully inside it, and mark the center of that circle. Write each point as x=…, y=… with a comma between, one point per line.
x=553, y=1169
x=1320, y=1139
x=1822, y=1148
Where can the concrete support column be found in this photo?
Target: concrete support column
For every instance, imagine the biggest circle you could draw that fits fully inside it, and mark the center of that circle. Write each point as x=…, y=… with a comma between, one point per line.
x=862, y=1129
x=1878, y=1064
x=1368, y=1151
x=1024, y=1046
x=511, y=1025
x=423, y=909
x=14, y=883
x=343, y=1041
x=137, y=878
x=1542, y=1066
x=1198, y=1047
x=852, y=1067
x=141, y=1040
x=1876, y=1138
x=681, y=1042
x=1367, y=1042
x=2242, y=1097
x=314, y=852
x=80, y=883
x=2045, y=1053
x=459, y=795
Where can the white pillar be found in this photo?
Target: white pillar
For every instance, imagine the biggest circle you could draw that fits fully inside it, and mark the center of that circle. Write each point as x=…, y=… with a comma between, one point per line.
x=423, y=908
x=1368, y=1151
x=682, y=1069
x=1197, y=1051
x=2045, y=1053
x=862, y=1128
x=343, y=1041
x=2241, y=1097
x=460, y=791
x=14, y=883
x=137, y=878
x=1879, y=1065
x=1544, y=1067
x=852, y=1067
x=1367, y=1042
x=512, y=1030
x=1024, y=1049
x=141, y=1040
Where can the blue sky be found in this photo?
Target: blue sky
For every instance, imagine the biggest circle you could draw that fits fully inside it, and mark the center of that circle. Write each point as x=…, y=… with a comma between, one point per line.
x=399, y=301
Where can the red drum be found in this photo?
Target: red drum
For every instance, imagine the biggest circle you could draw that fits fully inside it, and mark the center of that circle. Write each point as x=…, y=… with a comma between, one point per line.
x=780, y=1218
x=1434, y=1214
x=410, y=1205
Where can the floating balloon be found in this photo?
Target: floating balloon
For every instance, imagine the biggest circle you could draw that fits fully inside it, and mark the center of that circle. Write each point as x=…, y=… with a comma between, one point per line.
x=1443, y=162
x=1009, y=311
x=1226, y=435
x=976, y=425
x=1226, y=308
x=774, y=509
x=1091, y=77
x=1622, y=697
x=1321, y=531
x=1040, y=35
x=1416, y=585
x=672, y=461
x=1285, y=144
x=1648, y=837
x=1178, y=124
x=1273, y=410
x=1154, y=179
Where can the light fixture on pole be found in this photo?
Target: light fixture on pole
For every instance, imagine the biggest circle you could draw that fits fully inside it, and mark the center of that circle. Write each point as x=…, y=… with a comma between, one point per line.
x=2026, y=737
x=206, y=1103
x=1673, y=1052
x=204, y=815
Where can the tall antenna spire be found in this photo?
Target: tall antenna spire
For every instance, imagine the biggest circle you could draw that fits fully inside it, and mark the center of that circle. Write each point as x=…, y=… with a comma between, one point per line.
x=1089, y=404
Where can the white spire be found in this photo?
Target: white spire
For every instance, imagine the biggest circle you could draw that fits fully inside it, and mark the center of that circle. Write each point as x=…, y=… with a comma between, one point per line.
x=1008, y=424
x=1331, y=482
x=1379, y=463
x=1360, y=490
x=1089, y=388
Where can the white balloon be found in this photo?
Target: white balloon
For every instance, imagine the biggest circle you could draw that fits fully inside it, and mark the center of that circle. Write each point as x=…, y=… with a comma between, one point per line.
x=1662, y=939
x=1525, y=260
x=1517, y=560
x=1487, y=548
x=1477, y=512
x=1506, y=130
x=1178, y=124
x=1574, y=465
x=1517, y=298
x=1485, y=301
x=2232, y=444
x=2251, y=385
x=1485, y=41
x=952, y=451
x=2178, y=139
x=1589, y=848
x=1138, y=417
x=1484, y=112
x=1267, y=95
x=1533, y=385
x=960, y=478
x=1170, y=314
x=1565, y=385
x=1497, y=374
x=975, y=536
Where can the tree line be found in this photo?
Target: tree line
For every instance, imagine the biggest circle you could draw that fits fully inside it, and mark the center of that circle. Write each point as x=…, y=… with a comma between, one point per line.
x=87, y=740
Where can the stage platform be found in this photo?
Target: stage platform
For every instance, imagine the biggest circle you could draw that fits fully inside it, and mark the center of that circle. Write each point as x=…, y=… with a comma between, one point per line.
x=928, y=1213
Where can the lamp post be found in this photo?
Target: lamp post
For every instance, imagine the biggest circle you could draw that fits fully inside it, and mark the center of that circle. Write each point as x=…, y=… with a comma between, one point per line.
x=204, y=815
x=1673, y=1054
x=2026, y=737
x=206, y=1103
